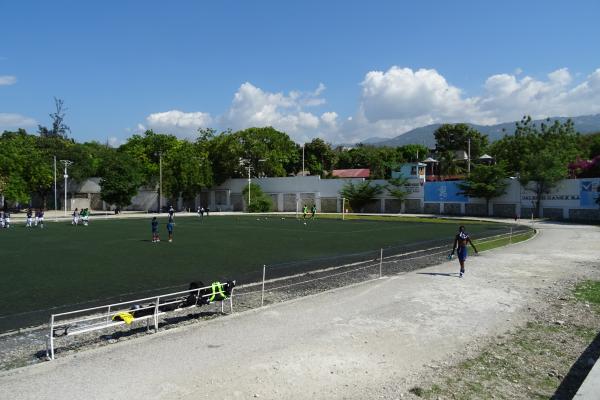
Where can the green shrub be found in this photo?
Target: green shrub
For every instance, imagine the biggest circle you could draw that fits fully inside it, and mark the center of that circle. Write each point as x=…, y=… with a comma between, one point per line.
x=259, y=202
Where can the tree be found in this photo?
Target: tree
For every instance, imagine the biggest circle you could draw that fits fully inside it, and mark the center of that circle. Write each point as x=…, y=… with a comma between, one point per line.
x=59, y=128
x=397, y=187
x=186, y=171
x=24, y=166
x=148, y=150
x=319, y=157
x=121, y=176
x=361, y=194
x=486, y=182
x=265, y=150
x=455, y=137
x=380, y=160
x=539, y=156
x=543, y=173
x=259, y=201
x=448, y=164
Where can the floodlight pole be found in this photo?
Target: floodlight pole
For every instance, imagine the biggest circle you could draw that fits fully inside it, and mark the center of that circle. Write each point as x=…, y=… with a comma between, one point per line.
x=469, y=156
x=303, y=159
x=160, y=182
x=55, y=193
x=249, y=185
x=67, y=164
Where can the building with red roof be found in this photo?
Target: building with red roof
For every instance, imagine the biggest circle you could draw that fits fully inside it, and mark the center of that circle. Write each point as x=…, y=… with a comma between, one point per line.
x=351, y=173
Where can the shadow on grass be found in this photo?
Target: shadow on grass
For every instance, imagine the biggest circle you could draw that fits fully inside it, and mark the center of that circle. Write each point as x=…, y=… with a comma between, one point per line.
x=578, y=372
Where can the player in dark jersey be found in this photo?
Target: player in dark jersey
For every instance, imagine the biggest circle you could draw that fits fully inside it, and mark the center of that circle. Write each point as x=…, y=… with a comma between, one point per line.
x=39, y=218
x=29, y=222
x=155, y=237
x=461, y=240
x=170, y=225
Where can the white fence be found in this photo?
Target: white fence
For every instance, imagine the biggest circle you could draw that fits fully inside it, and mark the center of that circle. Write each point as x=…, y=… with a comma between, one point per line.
x=96, y=318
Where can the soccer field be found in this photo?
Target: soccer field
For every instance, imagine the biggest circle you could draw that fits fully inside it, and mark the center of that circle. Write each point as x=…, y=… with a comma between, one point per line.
x=63, y=267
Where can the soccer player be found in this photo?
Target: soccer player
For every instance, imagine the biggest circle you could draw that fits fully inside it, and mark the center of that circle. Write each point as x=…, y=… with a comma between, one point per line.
x=85, y=216
x=461, y=240
x=2, y=219
x=304, y=211
x=313, y=211
x=39, y=218
x=155, y=237
x=6, y=219
x=29, y=222
x=170, y=228
x=75, y=217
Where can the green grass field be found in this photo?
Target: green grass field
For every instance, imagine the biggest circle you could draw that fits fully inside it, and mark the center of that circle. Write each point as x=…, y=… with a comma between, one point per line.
x=63, y=267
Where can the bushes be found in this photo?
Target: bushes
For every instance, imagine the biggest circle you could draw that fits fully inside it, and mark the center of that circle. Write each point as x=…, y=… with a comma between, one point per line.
x=259, y=201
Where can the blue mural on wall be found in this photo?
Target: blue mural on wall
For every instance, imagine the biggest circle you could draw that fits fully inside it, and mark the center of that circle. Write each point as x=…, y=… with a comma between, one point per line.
x=589, y=192
x=444, y=192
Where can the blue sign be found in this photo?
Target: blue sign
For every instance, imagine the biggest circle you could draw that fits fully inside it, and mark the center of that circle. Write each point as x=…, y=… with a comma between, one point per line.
x=444, y=192
x=589, y=193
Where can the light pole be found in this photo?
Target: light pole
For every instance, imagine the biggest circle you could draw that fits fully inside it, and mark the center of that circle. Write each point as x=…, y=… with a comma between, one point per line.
x=469, y=156
x=249, y=168
x=55, y=195
x=159, y=154
x=67, y=164
x=302, y=159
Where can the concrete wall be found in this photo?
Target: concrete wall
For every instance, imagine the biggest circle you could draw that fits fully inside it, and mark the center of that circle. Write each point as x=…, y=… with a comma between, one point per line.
x=571, y=199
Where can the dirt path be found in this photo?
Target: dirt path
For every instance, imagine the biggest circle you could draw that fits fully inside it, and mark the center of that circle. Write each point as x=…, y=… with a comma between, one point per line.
x=357, y=342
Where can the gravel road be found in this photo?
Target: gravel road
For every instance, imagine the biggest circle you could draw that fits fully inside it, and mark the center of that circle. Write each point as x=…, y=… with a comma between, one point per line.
x=355, y=342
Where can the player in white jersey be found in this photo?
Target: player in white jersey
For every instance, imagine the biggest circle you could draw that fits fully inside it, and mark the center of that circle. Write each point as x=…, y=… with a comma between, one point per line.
x=75, y=217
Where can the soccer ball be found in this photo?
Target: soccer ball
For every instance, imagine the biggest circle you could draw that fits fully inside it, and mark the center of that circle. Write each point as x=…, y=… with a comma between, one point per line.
x=305, y=223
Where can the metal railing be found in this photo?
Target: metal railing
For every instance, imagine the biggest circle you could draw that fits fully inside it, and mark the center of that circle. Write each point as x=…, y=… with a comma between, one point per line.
x=101, y=317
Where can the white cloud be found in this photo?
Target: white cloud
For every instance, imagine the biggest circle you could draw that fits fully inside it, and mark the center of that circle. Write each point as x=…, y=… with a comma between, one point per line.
x=252, y=106
x=393, y=102
x=509, y=98
x=403, y=94
x=115, y=141
x=6, y=80
x=178, y=122
x=10, y=121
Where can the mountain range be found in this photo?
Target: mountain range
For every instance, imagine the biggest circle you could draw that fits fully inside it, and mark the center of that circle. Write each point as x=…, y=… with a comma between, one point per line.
x=424, y=135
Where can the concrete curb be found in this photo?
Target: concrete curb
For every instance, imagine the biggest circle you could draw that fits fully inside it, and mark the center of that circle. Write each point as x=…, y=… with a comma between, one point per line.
x=590, y=388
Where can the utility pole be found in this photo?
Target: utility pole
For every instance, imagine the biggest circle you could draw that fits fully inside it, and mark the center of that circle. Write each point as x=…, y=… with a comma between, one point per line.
x=159, y=154
x=303, y=159
x=55, y=193
x=160, y=181
x=249, y=182
x=469, y=157
x=67, y=164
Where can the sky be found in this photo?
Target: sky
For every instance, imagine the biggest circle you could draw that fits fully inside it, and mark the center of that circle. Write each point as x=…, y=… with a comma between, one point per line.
x=343, y=71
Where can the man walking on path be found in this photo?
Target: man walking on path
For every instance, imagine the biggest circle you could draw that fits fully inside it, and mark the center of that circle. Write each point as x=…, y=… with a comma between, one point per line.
x=460, y=245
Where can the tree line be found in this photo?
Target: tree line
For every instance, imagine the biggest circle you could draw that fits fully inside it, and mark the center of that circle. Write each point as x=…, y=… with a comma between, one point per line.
x=539, y=154
x=188, y=166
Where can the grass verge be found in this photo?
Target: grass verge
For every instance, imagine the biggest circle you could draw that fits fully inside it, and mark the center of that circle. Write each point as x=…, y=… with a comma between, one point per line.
x=404, y=218
x=488, y=245
x=547, y=358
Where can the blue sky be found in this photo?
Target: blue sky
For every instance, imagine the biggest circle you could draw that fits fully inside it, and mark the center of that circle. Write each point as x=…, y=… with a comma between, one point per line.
x=341, y=70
